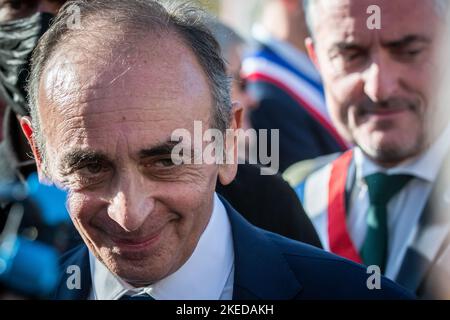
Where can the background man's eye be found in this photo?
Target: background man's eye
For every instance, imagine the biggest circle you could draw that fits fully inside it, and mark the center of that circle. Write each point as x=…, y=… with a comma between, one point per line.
x=413, y=52
x=350, y=56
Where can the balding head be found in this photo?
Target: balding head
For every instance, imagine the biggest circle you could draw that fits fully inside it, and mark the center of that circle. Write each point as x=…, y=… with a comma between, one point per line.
x=118, y=24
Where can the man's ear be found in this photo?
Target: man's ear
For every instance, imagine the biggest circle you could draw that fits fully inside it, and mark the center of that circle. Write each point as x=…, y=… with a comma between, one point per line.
x=310, y=47
x=228, y=170
x=291, y=5
x=27, y=128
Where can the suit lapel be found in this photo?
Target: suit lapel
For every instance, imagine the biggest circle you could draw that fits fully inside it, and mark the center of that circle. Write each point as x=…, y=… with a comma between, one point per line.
x=427, y=245
x=261, y=271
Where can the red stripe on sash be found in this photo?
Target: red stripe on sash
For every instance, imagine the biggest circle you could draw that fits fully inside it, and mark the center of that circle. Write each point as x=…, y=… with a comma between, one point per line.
x=339, y=238
x=301, y=101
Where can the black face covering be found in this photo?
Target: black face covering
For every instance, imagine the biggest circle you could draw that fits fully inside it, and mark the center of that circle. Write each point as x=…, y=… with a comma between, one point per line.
x=18, y=38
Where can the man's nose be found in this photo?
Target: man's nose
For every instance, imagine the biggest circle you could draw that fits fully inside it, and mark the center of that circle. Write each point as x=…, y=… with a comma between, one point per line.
x=381, y=79
x=131, y=205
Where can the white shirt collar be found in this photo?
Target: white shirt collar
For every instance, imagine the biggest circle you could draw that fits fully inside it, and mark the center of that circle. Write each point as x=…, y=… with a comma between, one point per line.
x=288, y=52
x=426, y=166
x=204, y=276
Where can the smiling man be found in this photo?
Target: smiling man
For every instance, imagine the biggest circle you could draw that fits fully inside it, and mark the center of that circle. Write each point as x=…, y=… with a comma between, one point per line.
x=105, y=99
x=380, y=201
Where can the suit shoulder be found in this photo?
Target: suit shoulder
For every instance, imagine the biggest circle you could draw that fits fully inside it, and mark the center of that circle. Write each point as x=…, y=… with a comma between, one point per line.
x=73, y=262
x=324, y=275
x=73, y=255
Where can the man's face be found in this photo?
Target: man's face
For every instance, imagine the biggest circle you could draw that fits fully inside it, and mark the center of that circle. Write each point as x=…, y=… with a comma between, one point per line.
x=378, y=83
x=107, y=128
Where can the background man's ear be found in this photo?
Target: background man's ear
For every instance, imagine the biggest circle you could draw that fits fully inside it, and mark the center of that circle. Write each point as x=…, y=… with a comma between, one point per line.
x=228, y=170
x=238, y=114
x=310, y=47
x=291, y=5
x=27, y=128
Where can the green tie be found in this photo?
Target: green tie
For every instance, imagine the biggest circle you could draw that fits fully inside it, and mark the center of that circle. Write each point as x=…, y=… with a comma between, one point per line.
x=381, y=189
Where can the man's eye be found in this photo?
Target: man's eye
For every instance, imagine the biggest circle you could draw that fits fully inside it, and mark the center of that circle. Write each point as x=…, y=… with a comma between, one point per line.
x=413, y=53
x=352, y=55
x=92, y=169
x=165, y=162
x=410, y=52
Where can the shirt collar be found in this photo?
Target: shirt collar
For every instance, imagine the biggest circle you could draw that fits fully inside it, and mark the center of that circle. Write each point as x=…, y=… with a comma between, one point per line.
x=288, y=52
x=426, y=166
x=211, y=263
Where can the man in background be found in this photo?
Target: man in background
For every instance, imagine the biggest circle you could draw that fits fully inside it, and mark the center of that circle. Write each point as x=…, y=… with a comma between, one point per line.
x=266, y=201
x=381, y=203
x=286, y=86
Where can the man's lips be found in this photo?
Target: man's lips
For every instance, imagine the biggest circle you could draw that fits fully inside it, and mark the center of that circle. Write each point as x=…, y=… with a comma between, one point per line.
x=138, y=243
x=386, y=112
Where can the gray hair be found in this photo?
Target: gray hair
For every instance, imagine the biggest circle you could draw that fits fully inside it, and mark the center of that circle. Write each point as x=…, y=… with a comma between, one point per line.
x=442, y=7
x=135, y=17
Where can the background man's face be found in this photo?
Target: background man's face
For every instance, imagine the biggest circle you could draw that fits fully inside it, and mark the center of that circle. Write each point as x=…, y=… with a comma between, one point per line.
x=378, y=82
x=107, y=127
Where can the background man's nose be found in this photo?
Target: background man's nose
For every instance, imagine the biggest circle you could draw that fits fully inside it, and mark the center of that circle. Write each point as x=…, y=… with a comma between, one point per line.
x=131, y=205
x=381, y=80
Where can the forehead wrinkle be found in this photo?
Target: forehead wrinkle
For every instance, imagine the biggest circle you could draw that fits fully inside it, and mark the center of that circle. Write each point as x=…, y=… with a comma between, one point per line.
x=61, y=76
x=110, y=142
x=58, y=84
x=103, y=74
x=88, y=94
x=349, y=19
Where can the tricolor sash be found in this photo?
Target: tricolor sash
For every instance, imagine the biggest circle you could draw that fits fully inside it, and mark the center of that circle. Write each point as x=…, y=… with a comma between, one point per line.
x=333, y=183
x=267, y=66
x=338, y=236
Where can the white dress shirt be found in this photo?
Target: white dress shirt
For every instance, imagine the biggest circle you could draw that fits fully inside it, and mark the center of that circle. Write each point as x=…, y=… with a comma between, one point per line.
x=405, y=208
x=207, y=275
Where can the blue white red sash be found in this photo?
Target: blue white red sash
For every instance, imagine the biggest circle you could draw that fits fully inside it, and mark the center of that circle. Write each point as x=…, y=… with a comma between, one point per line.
x=338, y=237
x=268, y=67
x=323, y=195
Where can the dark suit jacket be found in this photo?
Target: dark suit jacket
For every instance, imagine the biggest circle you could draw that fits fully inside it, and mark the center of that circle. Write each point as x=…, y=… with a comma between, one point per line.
x=268, y=266
x=268, y=202
x=301, y=136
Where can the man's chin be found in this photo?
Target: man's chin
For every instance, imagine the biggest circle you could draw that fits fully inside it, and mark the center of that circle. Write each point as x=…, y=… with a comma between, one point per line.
x=390, y=153
x=139, y=272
